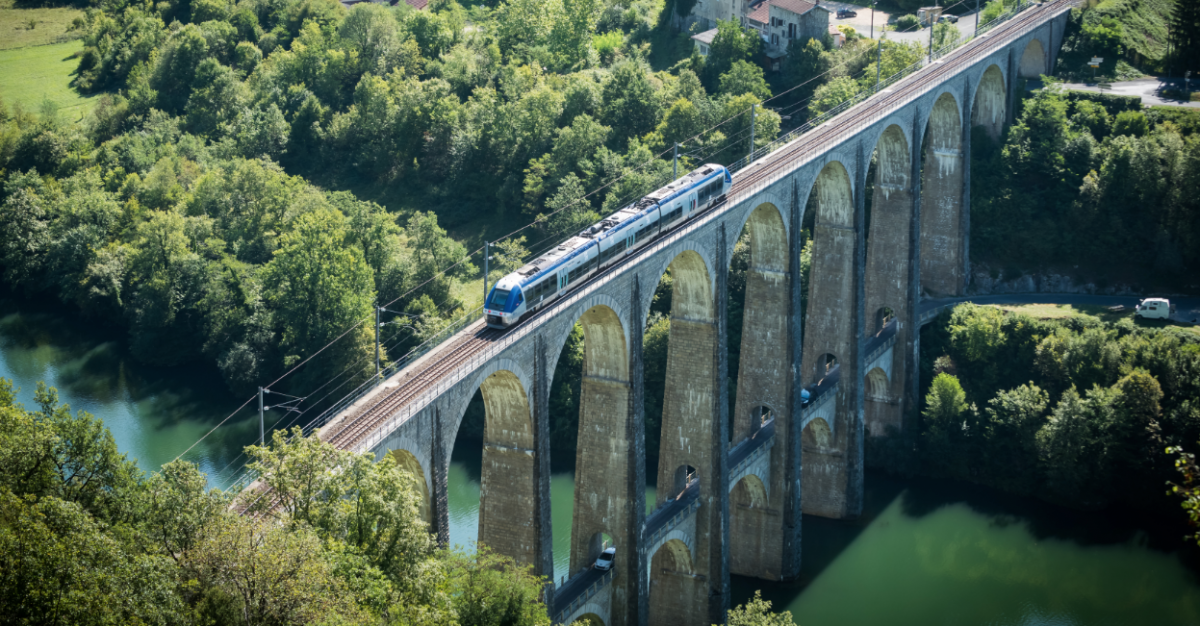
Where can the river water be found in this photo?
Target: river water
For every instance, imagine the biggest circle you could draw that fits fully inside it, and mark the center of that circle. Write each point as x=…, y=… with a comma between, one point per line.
x=924, y=553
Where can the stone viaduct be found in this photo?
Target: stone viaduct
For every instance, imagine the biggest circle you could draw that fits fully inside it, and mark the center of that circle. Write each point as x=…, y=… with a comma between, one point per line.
x=732, y=486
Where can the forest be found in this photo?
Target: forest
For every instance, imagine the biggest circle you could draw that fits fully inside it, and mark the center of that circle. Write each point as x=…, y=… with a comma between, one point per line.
x=1077, y=411
x=1092, y=185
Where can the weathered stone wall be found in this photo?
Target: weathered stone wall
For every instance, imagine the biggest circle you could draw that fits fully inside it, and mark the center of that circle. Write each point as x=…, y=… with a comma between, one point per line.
x=830, y=330
x=888, y=268
x=676, y=589
x=602, y=504
x=764, y=381
x=508, y=491
x=941, y=201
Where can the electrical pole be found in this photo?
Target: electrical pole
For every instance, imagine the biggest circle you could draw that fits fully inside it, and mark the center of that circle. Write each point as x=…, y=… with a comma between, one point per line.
x=872, y=21
x=932, y=23
x=675, y=163
x=976, y=18
x=752, y=118
x=262, y=433
x=487, y=254
x=378, y=310
x=878, y=62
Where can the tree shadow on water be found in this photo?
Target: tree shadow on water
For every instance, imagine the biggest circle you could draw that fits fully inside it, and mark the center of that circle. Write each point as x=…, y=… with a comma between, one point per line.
x=1111, y=526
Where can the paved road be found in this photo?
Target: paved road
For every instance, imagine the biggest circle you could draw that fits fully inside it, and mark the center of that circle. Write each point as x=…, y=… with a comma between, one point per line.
x=1186, y=309
x=862, y=23
x=1150, y=90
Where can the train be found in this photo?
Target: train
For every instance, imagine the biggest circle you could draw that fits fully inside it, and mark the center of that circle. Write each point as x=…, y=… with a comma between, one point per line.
x=603, y=244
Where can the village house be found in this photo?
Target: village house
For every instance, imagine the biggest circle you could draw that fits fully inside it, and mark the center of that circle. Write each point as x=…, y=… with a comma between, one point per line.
x=777, y=22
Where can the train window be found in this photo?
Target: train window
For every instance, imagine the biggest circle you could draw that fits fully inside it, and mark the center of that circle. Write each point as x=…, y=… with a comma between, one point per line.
x=499, y=299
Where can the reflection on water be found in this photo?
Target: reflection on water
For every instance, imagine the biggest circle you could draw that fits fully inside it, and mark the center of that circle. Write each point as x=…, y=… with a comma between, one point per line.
x=154, y=413
x=930, y=552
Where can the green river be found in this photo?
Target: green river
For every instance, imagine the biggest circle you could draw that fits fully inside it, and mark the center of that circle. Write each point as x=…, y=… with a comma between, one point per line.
x=924, y=553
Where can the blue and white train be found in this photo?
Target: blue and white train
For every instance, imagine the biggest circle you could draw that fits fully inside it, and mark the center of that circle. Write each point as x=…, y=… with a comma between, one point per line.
x=603, y=244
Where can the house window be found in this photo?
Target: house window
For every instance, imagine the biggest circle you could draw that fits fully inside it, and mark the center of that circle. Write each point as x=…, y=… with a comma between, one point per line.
x=703, y=50
x=774, y=38
x=791, y=31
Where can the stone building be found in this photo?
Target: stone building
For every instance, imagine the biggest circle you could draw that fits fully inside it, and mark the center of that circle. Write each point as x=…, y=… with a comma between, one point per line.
x=777, y=22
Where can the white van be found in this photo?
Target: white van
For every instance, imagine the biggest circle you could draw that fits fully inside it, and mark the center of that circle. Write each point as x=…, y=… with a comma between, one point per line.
x=1155, y=308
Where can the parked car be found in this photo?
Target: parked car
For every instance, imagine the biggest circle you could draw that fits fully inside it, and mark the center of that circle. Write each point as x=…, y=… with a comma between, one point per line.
x=845, y=13
x=1154, y=308
x=953, y=19
x=605, y=560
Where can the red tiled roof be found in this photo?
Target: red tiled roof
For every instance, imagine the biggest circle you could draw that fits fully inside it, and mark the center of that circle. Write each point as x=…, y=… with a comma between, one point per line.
x=762, y=12
x=417, y=4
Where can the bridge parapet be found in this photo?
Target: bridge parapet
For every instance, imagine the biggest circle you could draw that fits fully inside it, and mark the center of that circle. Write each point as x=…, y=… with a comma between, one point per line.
x=752, y=457
x=587, y=592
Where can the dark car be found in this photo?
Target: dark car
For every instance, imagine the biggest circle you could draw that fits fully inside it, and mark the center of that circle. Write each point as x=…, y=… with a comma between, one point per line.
x=844, y=13
x=953, y=19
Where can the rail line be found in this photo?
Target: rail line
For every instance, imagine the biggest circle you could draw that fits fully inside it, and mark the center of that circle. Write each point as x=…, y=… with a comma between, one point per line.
x=468, y=343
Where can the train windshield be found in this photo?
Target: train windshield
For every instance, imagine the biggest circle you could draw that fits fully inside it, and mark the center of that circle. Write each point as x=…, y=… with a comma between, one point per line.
x=498, y=300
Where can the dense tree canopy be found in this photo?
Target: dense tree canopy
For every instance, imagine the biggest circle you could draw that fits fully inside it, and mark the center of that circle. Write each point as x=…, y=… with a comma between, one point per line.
x=86, y=538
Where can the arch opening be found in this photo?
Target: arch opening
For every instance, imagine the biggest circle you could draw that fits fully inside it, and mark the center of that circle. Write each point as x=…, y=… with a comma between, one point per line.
x=749, y=493
x=674, y=586
x=1033, y=60
x=877, y=384
x=682, y=478
x=599, y=542
x=991, y=103
x=825, y=365
x=883, y=316
x=588, y=619
x=817, y=434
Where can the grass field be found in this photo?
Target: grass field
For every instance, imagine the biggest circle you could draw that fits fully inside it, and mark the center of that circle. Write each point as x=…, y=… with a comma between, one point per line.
x=30, y=75
x=50, y=25
x=1063, y=311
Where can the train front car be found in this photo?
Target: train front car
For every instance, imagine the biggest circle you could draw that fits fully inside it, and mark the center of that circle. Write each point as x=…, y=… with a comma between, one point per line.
x=506, y=303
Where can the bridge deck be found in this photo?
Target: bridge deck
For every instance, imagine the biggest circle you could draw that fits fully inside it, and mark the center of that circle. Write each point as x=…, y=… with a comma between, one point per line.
x=446, y=364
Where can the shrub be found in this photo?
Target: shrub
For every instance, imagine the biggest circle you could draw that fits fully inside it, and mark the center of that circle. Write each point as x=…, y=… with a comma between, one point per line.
x=907, y=22
x=1132, y=123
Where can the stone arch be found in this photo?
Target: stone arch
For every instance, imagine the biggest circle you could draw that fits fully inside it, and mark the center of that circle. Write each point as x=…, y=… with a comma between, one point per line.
x=673, y=586
x=877, y=384
x=942, y=239
x=664, y=261
x=823, y=365
x=1033, y=60
x=605, y=352
x=564, y=324
x=991, y=102
x=508, y=486
x=817, y=435
x=597, y=543
x=749, y=492
x=768, y=231
x=691, y=289
x=881, y=406
x=409, y=463
x=883, y=316
x=590, y=618
x=835, y=196
x=681, y=477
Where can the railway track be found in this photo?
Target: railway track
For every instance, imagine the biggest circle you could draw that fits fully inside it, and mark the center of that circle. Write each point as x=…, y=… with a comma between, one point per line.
x=477, y=337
